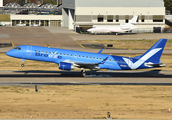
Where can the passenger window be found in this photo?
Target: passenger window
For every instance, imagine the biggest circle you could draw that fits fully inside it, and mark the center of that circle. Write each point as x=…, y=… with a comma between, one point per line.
x=87, y=57
x=35, y=51
x=79, y=55
x=110, y=59
x=100, y=58
x=39, y=51
x=42, y=51
x=83, y=56
x=49, y=52
x=97, y=58
x=57, y=53
x=53, y=52
x=63, y=54
x=67, y=54
x=46, y=51
x=93, y=57
x=75, y=55
x=60, y=54
x=113, y=60
x=120, y=60
x=117, y=61
x=90, y=57
x=71, y=54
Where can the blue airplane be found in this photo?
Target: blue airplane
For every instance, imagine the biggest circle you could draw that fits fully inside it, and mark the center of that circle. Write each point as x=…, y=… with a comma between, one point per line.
x=70, y=59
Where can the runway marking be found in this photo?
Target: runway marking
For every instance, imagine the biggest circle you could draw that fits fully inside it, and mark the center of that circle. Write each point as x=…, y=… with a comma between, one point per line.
x=80, y=44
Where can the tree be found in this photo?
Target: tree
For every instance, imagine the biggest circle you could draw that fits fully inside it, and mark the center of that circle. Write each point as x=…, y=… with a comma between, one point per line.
x=168, y=4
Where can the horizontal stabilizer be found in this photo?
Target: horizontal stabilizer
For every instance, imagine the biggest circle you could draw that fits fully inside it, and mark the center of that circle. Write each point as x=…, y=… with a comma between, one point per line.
x=155, y=65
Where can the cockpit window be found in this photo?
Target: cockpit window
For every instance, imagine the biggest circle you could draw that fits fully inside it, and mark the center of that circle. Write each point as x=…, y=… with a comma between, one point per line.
x=18, y=48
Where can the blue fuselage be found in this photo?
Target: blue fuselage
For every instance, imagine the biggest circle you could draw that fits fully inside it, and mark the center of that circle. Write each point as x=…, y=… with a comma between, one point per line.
x=61, y=55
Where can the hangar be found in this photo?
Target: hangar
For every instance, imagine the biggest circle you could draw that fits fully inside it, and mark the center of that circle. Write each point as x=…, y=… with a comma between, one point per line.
x=45, y=14
x=86, y=13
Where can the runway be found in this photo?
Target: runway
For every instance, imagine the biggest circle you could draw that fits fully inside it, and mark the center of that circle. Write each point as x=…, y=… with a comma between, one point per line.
x=92, y=78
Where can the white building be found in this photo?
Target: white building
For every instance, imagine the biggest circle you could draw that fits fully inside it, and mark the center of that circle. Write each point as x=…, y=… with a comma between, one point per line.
x=43, y=20
x=1, y=3
x=84, y=13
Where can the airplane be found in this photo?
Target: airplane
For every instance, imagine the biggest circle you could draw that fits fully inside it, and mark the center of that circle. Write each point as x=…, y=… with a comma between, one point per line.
x=70, y=59
x=122, y=28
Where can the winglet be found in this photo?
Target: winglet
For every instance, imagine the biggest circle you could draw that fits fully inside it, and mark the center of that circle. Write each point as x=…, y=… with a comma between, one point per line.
x=102, y=62
x=100, y=51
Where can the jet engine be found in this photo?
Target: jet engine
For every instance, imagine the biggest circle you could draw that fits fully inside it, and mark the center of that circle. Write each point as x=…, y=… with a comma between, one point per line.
x=66, y=66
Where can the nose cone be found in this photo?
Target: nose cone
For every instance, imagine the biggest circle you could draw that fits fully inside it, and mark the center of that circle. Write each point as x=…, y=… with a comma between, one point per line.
x=89, y=30
x=9, y=53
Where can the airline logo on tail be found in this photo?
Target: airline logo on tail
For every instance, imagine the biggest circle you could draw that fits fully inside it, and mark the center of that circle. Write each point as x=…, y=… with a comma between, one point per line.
x=142, y=59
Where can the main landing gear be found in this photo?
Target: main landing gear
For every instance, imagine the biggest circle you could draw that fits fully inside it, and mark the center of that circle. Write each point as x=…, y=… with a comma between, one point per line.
x=83, y=72
x=22, y=65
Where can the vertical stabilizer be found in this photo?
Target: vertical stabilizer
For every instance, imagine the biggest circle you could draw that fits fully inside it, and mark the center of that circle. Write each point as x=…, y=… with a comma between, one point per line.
x=151, y=56
x=134, y=19
x=156, y=50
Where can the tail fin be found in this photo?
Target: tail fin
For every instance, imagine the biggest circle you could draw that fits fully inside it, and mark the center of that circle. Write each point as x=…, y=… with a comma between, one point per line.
x=155, y=52
x=133, y=20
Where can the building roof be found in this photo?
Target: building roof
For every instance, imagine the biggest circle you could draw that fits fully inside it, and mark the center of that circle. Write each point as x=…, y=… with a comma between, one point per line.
x=112, y=3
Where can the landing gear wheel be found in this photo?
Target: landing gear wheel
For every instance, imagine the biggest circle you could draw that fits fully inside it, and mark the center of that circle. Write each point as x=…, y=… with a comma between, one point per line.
x=83, y=73
x=22, y=65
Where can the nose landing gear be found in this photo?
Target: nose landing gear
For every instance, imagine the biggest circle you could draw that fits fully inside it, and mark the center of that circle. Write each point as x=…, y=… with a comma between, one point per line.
x=22, y=65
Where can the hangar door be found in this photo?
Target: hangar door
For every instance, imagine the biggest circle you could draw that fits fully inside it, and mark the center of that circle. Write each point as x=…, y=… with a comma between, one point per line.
x=15, y=22
x=55, y=23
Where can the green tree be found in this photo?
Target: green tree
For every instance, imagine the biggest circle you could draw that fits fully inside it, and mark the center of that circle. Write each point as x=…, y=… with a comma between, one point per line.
x=168, y=4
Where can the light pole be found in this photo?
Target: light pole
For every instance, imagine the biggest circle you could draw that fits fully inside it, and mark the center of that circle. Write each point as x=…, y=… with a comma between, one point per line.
x=106, y=18
x=148, y=19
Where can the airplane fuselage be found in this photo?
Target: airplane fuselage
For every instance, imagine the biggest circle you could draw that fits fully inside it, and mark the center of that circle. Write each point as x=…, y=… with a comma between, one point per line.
x=112, y=28
x=70, y=59
x=55, y=55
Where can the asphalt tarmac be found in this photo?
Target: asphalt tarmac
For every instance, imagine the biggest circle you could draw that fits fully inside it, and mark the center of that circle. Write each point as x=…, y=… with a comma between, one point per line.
x=92, y=78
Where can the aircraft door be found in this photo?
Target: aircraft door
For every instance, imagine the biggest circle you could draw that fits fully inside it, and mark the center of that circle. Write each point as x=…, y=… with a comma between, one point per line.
x=29, y=50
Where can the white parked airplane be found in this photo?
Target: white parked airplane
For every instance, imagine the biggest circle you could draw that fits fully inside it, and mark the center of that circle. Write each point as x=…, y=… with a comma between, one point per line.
x=122, y=28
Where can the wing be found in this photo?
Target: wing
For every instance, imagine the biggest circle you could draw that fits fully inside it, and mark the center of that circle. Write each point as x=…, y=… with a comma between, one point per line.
x=89, y=65
x=86, y=65
x=118, y=31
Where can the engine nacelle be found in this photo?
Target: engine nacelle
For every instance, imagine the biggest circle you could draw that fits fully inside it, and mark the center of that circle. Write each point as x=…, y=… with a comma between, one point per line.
x=66, y=66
